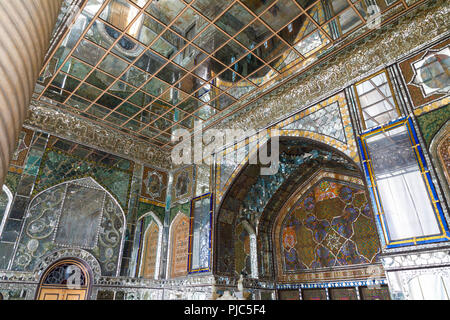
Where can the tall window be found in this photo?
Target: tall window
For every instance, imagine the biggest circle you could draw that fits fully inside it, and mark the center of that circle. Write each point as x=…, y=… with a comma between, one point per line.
x=200, y=234
x=429, y=287
x=407, y=204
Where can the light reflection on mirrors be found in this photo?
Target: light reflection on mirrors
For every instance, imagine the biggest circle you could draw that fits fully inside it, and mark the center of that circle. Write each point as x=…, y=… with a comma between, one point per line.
x=406, y=202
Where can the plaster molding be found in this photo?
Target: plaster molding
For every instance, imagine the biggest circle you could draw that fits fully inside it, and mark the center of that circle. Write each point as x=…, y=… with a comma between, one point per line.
x=68, y=126
x=419, y=260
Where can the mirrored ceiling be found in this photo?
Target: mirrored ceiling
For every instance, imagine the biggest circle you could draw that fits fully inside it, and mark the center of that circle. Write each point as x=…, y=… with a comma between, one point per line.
x=149, y=67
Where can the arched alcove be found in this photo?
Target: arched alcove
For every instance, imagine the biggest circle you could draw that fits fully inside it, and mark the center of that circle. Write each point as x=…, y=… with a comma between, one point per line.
x=77, y=214
x=150, y=232
x=178, y=246
x=258, y=200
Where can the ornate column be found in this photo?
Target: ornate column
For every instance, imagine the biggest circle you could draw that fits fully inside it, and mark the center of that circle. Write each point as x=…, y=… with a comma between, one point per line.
x=25, y=31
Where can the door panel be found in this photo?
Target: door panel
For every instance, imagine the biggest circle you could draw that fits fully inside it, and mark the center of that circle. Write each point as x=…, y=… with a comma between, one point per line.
x=62, y=294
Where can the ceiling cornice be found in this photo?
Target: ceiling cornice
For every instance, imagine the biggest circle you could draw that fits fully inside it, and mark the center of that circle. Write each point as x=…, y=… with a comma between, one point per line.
x=68, y=126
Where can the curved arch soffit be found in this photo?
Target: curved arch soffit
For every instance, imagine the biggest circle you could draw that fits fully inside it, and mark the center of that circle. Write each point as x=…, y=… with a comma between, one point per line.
x=10, y=197
x=436, y=141
x=340, y=149
x=60, y=254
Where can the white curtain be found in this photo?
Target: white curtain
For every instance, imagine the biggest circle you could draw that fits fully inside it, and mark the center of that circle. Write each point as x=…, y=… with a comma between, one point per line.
x=409, y=212
x=428, y=287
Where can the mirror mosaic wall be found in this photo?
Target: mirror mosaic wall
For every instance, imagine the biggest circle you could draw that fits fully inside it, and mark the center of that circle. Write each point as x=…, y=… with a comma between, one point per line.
x=321, y=228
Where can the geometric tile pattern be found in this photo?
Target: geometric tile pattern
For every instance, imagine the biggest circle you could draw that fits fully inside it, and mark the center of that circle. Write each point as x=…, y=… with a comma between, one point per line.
x=326, y=121
x=147, y=67
x=331, y=225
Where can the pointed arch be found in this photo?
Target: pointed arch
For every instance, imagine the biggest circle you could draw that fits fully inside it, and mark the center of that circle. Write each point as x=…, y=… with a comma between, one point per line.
x=154, y=231
x=299, y=159
x=326, y=222
x=294, y=126
x=178, y=246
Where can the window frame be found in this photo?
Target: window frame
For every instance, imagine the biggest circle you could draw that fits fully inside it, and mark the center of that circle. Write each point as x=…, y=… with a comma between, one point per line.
x=358, y=102
x=425, y=173
x=191, y=234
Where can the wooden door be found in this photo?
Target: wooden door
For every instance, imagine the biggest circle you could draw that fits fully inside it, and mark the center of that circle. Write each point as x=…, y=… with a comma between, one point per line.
x=65, y=280
x=62, y=294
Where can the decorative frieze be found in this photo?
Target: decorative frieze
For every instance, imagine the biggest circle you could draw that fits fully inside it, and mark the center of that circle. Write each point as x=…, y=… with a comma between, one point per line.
x=416, y=260
x=71, y=127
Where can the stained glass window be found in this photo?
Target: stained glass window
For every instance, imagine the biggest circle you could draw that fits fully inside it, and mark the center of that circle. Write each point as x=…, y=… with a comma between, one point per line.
x=408, y=207
x=377, y=104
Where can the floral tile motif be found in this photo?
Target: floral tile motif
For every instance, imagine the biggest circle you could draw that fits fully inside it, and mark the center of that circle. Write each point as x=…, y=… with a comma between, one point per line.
x=431, y=122
x=327, y=223
x=154, y=184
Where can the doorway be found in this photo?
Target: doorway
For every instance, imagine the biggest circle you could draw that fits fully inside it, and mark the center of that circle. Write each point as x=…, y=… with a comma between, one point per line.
x=68, y=279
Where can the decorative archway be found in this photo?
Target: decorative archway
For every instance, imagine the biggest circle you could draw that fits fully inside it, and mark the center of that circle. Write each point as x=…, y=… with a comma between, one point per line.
x=150, y=246
x=77, y=214
x=440, y=152
x=327, y=123
x=178, y=246
x=258, y=199
x=66, y=279
x=69, y=253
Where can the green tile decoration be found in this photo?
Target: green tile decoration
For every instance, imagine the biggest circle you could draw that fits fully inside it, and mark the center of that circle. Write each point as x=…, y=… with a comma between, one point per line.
x=144, y=208
x=58, y=167
x=185, y=208
x=12, y=180
x=33, y=162
x=431, y=122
